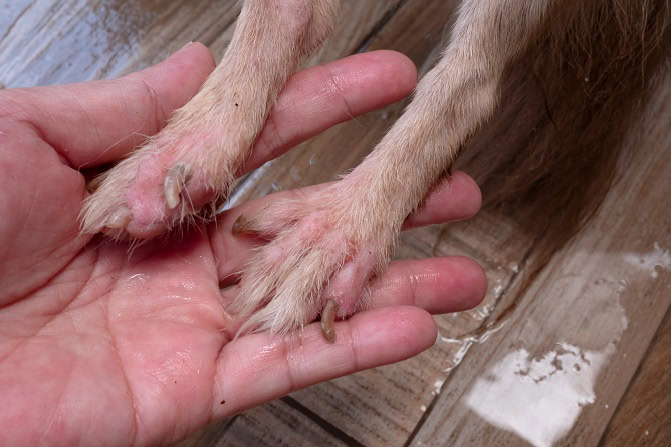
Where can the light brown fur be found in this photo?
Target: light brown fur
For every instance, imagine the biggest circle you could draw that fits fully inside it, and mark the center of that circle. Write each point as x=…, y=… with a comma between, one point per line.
x=568, y=117
x=327, y=248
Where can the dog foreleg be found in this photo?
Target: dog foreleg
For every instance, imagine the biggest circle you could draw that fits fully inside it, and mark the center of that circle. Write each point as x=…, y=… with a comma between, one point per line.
x=193, y=160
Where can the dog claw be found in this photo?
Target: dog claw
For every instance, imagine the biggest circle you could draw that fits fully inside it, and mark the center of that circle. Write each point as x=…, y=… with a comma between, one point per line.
x=120, y=219
x=172, y=186
x=328, y=321
x=243, y=225
x=93, y=185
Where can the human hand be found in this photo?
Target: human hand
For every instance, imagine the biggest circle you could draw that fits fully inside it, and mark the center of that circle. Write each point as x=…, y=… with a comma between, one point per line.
x=101, y=347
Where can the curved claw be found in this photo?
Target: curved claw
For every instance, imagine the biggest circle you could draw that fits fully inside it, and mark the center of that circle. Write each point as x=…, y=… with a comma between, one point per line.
x=328, y=321
x=172, y=186
x=93, y=185
x=119, y=220
x=243, y=225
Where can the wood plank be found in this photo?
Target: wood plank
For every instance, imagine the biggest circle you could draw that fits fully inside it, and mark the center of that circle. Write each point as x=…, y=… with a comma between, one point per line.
x=642, y=418
x=276, y=424
x=59, y=41
x=212, y=23
x=554, y=374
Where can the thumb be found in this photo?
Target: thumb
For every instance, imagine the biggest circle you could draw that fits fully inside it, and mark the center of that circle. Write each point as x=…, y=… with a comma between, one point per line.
x=93, y=123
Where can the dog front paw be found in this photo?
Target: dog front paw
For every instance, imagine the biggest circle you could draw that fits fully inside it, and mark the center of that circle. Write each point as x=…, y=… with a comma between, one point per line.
x=317, y=263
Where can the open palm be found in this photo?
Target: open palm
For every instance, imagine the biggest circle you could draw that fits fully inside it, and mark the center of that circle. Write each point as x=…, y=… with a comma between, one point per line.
x=101, y=347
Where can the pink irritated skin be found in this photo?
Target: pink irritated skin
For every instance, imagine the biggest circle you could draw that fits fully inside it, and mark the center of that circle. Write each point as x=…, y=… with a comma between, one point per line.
x=145, y=196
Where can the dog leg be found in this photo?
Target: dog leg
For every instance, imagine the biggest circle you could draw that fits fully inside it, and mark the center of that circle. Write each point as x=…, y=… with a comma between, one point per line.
x=323, y=252
x=193, y=160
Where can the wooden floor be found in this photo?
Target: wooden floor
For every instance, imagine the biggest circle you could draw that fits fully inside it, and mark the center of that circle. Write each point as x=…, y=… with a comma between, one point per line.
x=583, y=360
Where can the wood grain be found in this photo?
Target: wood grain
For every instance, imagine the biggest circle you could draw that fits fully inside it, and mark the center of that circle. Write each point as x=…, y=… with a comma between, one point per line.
x=642, y=419
x=276, y=423
x=56, y=41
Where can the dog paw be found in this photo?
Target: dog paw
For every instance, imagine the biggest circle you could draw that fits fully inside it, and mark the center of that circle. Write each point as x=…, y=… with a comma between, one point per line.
x=317, y=262
x=164, y=184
